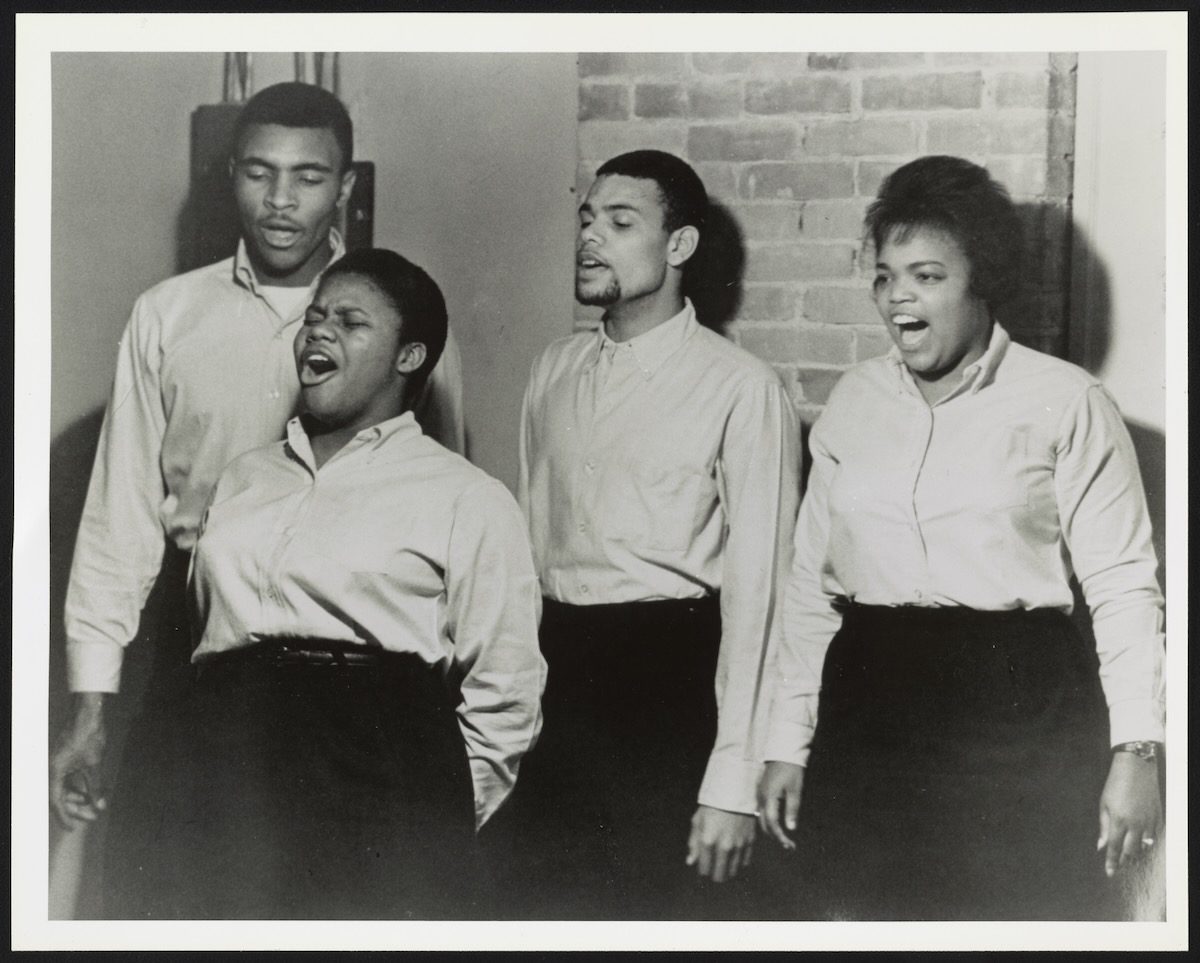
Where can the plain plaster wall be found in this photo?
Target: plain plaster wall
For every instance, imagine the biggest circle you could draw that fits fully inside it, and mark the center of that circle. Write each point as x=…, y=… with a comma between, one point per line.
x=1119, y=328
x=475, y=166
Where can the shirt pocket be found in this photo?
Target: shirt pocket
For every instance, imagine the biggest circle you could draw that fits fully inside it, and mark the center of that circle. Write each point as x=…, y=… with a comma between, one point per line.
x=657, y=508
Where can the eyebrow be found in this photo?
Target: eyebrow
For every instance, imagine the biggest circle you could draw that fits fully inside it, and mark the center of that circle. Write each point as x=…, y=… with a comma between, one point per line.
x=586, y=208
x=306, y=166
x=914, y=264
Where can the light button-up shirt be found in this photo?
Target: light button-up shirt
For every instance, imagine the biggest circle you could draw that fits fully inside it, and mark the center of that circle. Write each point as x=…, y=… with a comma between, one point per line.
x=394, y=542
x=666, y=467
x=990, y=499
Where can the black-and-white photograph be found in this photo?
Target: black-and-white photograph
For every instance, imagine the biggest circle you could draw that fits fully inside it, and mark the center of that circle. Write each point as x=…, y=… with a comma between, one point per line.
x=613, y=475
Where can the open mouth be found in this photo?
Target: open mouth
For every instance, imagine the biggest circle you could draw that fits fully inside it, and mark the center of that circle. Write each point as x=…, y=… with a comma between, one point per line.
x=316, y=367
x=280, y=235
x=587, y=262
x=912, y=330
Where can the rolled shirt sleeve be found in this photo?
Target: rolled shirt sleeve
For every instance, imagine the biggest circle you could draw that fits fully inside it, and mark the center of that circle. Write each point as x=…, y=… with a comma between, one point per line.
x=493, y=608
x=759, y=473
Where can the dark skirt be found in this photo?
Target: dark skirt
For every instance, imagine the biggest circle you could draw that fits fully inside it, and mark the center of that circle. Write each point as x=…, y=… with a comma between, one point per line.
x=603, y=804
x=277, y=789
x=956, y=770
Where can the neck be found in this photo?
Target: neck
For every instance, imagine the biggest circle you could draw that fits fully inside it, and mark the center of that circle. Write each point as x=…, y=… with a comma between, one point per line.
x=325, y=442
x=629, y=319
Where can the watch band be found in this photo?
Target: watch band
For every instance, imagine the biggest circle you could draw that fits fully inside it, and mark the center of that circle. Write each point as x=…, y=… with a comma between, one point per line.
x=1143, y=750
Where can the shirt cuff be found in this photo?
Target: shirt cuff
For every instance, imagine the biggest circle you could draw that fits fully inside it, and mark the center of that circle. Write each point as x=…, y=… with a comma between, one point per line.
x=788, y=743
x=1136, y=720
x=94, y=666
x=731, y=784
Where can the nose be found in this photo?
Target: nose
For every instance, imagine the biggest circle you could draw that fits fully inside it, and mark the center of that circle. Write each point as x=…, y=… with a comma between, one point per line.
x=899, y=290
x=318, y=331
x=280, y=195
x=588, y=234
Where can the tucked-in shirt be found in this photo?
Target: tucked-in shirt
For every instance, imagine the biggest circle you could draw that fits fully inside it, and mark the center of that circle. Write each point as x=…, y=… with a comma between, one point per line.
x=666, y=467
x=205, y=371
x=991, y=499
x=394, y=542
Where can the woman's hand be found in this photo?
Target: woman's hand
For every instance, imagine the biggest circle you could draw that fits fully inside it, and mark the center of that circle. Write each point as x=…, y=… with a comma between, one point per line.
x=779, y=800
x=1131, y=814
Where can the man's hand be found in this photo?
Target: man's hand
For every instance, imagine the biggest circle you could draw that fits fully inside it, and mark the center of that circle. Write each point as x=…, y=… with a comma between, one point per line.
x=779, y=800
x=721, y=842
x=1130, y=810
x=74, y=768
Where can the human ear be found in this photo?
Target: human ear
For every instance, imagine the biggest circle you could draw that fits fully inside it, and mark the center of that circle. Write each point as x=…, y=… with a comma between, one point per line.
x=347, y=186
x=682, y=245
x=410, y=358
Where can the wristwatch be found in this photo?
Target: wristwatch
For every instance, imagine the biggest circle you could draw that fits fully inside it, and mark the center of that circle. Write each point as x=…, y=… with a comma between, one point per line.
x=1150, y=751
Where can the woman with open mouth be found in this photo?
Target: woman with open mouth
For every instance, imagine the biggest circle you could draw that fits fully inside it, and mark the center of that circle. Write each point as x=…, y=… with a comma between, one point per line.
x=367, y=676
x=943, y=744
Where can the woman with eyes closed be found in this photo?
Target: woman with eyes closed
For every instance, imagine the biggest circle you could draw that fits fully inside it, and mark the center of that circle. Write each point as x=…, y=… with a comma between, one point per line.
x=942, y=743
x=367, y=676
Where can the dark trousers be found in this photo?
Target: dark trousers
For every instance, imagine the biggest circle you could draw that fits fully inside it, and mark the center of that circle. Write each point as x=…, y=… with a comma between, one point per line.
x=297, y=790
x=603, y=804
x=956, y=770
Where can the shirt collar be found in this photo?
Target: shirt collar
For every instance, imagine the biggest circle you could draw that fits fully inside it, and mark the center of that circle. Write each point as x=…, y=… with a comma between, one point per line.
x=243, y=271
x=653, y=347
x=401, y=428
x=976, y=376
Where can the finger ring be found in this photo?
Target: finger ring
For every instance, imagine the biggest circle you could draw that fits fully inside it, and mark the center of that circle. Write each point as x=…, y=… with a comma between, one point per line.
x=1147, y=840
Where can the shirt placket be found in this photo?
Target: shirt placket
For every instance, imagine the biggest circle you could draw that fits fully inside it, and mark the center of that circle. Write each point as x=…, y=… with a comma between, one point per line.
x=272, y=592
x=918, y=452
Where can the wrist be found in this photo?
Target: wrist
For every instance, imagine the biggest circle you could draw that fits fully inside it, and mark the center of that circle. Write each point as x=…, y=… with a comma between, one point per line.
x=1145, y=750
x=89, y=706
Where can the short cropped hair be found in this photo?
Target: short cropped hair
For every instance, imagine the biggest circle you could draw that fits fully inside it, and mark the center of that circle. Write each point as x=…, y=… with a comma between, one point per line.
x=962, y=200
x=684, y=198
x=412, y=292
x=294, y=104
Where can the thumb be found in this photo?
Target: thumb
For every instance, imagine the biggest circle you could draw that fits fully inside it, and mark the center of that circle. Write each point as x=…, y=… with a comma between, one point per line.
x=1104, y=827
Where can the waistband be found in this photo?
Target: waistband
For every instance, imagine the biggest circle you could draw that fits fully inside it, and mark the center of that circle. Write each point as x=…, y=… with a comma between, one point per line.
x=317, y=653
x=948, y=615
x=647, y=608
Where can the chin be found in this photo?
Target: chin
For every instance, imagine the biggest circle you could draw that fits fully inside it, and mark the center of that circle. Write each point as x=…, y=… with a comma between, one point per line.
x=598, y=297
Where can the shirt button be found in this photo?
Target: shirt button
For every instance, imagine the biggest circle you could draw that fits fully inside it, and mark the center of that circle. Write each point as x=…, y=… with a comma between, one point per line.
x=589, y=467
x=918, y=595
x=582, y=527
x=583, y=590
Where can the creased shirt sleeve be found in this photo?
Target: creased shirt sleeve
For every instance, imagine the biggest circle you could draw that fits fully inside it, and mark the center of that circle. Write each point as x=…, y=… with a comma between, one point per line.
x=759, y=468
x=119, y=547
x=440, y=411
x=493, y=607
x=1106, y=527
x=809, y=620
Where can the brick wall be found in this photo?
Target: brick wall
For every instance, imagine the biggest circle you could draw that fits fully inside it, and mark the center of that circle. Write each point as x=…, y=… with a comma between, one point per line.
x=794, y=146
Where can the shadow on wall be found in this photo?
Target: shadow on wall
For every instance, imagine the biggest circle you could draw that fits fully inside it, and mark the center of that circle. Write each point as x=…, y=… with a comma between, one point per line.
x=713, y=279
